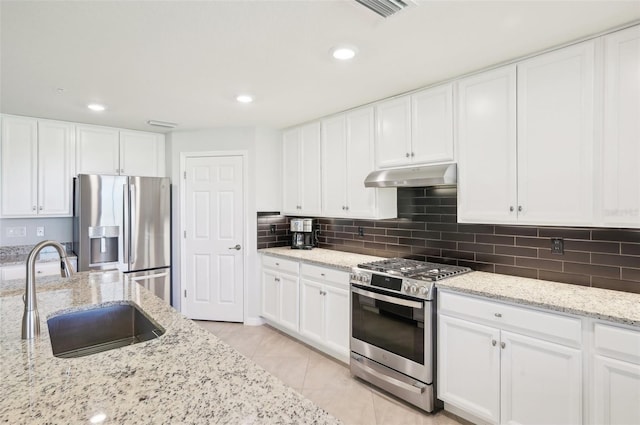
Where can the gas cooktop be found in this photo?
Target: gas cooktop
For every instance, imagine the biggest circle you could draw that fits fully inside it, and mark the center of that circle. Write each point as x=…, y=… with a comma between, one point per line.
x=414, y=269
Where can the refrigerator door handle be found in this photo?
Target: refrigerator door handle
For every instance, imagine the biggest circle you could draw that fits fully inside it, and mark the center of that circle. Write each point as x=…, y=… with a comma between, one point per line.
x=132, y=219
x=125, y=226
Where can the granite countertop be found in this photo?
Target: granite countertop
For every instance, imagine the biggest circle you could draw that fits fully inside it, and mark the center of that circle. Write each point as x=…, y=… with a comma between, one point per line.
x=324, y=257
x=186, y=376
x=615, y=306
x=12, y=260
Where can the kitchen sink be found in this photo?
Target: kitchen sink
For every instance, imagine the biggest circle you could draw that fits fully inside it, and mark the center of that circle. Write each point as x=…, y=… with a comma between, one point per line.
x=84, y=332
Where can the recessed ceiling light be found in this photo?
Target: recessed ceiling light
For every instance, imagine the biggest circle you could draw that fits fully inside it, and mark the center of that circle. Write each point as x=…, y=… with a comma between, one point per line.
x=96, y=107
x=244, y=98
x=343, y=53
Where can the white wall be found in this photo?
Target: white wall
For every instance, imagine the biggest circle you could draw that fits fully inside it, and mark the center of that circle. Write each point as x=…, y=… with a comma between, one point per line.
x=268, y=170
x=57, y=229
x=263, y=168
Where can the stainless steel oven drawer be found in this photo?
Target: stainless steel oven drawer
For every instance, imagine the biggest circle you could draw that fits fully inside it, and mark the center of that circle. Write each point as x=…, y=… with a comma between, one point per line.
x=408, y=389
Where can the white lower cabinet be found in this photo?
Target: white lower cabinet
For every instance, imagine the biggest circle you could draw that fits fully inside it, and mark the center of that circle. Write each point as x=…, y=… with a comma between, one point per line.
x=490, y=370
x=324, y=308
x=616, y=375
x=19, y=271
x=541, y=382
x=469, y=367
x=280, y=292
x=311, y=305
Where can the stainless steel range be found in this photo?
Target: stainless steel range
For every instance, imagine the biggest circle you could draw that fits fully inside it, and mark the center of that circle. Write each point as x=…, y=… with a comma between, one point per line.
x=393, y=326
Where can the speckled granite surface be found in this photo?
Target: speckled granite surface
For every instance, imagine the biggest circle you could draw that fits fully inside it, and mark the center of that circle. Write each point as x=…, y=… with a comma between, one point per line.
x=12, y=255
x=187, y=376
x=323, y=257
x=616, y=306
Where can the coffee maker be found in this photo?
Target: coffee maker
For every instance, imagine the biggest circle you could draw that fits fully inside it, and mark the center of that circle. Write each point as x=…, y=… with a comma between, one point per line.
x=302, y=233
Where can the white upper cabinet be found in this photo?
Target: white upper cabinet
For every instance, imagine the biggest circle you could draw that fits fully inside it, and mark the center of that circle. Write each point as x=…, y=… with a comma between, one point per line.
x=393, y=128
x=106, y=150
x=19, y=166
x=620, y=151
x=97, y=150
x=415, y=129
x=56, y=165
x=335, y=163
x=141, y=153
x=556, y=136
x=487, y=189
x=37, y=167
x=347, y=158
x=541, y=173
x=301, y=174
x=432, y=125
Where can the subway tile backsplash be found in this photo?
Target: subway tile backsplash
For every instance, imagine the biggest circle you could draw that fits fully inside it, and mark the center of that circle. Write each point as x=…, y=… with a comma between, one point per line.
x=427, y=229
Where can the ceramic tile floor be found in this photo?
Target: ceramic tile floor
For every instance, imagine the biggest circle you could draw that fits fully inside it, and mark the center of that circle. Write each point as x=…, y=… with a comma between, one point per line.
x=325, y=381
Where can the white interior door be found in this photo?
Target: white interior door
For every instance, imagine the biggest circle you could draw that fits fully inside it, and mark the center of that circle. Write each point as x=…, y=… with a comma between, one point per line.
x=213, y=223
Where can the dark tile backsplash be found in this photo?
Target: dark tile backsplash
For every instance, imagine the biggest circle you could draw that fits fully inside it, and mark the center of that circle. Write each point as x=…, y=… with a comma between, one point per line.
x=273, y=231
x=427, y=229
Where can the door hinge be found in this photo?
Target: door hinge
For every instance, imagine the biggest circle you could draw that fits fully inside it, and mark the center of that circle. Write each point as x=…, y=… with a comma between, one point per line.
x=185, y=234
x=185, y=293
x=185, y=175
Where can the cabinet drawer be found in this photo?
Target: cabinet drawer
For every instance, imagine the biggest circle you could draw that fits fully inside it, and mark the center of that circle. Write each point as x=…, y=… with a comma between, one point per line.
x=276, y=263
x=325, y=274
x=555, y=327
x=619, y=343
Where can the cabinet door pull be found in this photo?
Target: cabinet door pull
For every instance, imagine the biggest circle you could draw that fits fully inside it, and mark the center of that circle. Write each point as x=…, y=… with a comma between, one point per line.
x=33, y=208
x=511, y=208
x=322, y=274
x=407, y=155
x=412, y=154
x=494, y=342
x=502, y=344
x=498, y=314
x=519, y=208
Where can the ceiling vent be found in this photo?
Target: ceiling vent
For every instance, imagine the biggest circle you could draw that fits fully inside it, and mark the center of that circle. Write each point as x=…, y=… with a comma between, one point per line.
x=386, y=8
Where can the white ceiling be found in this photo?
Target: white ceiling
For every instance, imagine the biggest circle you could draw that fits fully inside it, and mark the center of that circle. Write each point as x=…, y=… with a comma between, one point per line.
x=185, y=61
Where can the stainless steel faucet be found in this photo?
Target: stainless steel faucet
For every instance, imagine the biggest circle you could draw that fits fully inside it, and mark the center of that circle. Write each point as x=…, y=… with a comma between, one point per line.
x=31, y=319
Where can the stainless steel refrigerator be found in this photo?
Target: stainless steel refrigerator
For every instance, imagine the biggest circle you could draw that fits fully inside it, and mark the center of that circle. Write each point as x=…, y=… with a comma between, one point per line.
x=124, y=222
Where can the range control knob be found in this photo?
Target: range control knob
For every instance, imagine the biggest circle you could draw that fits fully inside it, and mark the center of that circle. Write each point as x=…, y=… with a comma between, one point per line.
x=423, y=290
x=414, y=289
x=405, y=287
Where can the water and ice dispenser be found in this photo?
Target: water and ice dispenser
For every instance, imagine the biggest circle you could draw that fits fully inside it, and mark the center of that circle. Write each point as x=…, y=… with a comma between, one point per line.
x=103, y=244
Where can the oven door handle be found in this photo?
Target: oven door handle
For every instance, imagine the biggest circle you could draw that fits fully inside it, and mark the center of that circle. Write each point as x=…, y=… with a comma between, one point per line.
x=392, y=300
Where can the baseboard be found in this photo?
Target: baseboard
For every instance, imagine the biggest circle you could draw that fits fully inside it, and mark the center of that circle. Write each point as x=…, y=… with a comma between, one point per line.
x=254, y=321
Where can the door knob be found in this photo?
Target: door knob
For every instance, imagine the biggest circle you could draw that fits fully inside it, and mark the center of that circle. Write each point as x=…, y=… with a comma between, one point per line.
x=237, y=247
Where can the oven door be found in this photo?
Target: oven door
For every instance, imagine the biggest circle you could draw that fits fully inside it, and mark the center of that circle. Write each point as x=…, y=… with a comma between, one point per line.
x=393, y=330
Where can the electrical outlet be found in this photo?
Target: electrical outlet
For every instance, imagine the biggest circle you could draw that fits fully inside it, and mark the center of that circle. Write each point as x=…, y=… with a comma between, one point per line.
x=16, y=232
x=557, y=246
x=272, y=228
x=360, y=231
x=40, y=231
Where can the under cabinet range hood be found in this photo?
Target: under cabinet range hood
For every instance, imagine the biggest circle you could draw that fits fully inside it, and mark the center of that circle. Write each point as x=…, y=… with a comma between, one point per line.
x=426, y=175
